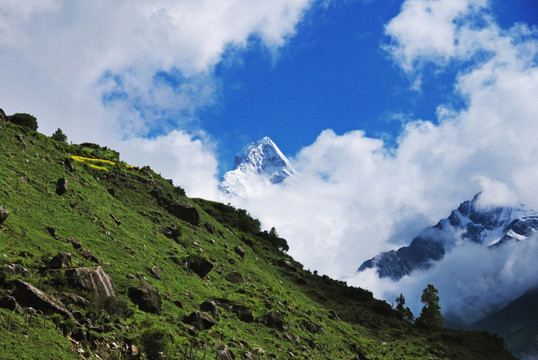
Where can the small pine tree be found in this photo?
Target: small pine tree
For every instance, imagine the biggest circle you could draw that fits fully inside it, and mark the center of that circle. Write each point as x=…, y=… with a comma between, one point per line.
x=403, y=311
x=431, y=312
x=59, y=136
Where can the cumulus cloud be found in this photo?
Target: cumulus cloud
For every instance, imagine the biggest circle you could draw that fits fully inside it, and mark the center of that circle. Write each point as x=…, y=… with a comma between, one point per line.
x=353, y=197
x=105, y=71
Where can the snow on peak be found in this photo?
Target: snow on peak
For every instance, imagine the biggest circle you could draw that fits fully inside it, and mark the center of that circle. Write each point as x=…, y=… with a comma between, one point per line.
x=257, y=162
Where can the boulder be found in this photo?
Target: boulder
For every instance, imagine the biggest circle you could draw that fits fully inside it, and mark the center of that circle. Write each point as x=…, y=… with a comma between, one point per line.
x=239, y=251
x=200, y=320
x=211, y=307
x=60, y=261
x=146, y=297
x=209, y=227
x=183, y=210
x=94, y=280
x=61, y=186
x=4, y=213
x=275, y=320
x=243, y=313
x=29, y=296
x=156, y=272
x=16, y=269
x=199, y=265
x=76, y=244
x=235, y=277
x=225, y=354
x=8, y=302
x=88, y=255
x=20, y=137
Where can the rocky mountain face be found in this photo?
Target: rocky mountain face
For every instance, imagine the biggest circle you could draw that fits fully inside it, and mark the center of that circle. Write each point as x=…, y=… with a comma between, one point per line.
x=487, y=226
x=255, y=163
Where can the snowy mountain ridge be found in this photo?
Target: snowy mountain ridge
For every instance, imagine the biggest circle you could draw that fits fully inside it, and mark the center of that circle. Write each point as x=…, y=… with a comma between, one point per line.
x=490, y=226
x=257, y=163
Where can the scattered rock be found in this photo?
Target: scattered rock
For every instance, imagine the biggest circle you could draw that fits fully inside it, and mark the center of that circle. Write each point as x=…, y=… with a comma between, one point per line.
x=130, y=276
x=4, y=213
x=52, y=232
x=199, y=265
x=189, y=295
x=61, y=186
x=211, y=307
x=287, y=264
x=20, y=137
x=76, y=244
x=239, y=251
x=225, y=354
x=140, y=276
x=275, y=320
x=209, y=227
x=116, y=219
x=178, y=304
x=69, y=165
x=200, y=320
x=76, y=299
x=243, y=313
x=94, y=280
x=25, y=179
x=235, y=277
x=60, y=261
x=88, y=255
x=16, y=269
x=310, y=325
x=333, y=315
x=155, y=271
x=112, y=192
x=183, y=210
x=172, y=232
x=146, y=297
x=249, y=356
x=29, y=296
x=8, y=302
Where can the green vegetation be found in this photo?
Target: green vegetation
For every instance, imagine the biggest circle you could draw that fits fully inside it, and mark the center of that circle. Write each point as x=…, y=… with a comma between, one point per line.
x=221, y=284
x=403, y=311
x=24, y=120
x=431, y=312
x=59, y=136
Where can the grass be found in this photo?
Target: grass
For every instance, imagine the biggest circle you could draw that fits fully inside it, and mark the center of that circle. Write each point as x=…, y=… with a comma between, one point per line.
x=139, y=241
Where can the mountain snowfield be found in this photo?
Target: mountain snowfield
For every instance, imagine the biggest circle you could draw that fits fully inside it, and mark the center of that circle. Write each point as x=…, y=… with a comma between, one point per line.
x=257, y=164
x=472, y=222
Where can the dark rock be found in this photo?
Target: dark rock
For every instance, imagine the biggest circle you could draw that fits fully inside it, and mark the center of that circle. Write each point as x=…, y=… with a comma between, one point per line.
x=16, y=269
x=76, y=244
x=60, y=261
x=235, y=277
x=183, y=210
x=211, y=307
x=29, y=296
x=200, y=320
x=310, y=325
x=88, y=255
x=199, y=265
x=93, y=280
x=225, y=354
x=69, y=165
x=239, y=251
x=243, y=313
x=172, y=232
x=25, y=254
x=8, y=302
x=61, y=186
x=4, y=213
x=178, y=304
x=52, y=232
x=20, y=137
x=275, y=320
x=116, y=219
x=333, y=315
x=146, y=297
x=155, y=271
x=209, y=227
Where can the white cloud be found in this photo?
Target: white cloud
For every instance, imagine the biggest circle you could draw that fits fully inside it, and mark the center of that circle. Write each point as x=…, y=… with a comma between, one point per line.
x=354, y=198
x=89, y=66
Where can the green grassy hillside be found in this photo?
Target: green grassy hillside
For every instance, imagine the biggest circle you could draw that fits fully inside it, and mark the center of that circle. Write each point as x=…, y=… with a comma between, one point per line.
x=253, y=300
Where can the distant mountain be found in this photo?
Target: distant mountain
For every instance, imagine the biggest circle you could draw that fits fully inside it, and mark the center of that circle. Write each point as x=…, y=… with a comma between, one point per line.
x=257, y=162
x=517, y=322
x=490, y=226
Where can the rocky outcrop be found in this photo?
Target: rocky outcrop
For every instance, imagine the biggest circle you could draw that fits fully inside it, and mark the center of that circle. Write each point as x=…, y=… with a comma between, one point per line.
x=4, y=213
x=183, y=210
x=200, y=265
x=243, y=313
x=29, y=296
x=94, y=280
x=225, y=354
x=239, y=251
x=16, y=269
x=275, y=320
x=8, y=302
x=61, y=186
x=200, y=320
x=211, y=308
x=146, y=297
x=235, y=277
x=156, y=272
x=60, y=261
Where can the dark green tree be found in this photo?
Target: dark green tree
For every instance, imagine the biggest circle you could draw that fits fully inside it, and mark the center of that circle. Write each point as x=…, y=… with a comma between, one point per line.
x=59, y=136
x=403, y=311
x=25, y=120
x=431, y=312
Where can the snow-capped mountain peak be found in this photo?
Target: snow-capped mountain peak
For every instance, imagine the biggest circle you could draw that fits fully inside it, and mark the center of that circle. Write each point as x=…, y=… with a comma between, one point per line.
x=256, y=163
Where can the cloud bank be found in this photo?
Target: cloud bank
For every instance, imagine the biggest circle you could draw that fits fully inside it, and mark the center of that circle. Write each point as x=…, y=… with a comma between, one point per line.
x=118, y=71
x=355, y=197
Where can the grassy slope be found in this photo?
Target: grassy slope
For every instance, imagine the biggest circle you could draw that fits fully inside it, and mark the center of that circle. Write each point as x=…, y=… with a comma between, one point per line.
x=28, y=184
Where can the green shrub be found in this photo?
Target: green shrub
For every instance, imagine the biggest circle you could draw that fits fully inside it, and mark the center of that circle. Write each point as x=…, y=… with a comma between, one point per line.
x=59, y=136
x=25, y=120
x=154, y=341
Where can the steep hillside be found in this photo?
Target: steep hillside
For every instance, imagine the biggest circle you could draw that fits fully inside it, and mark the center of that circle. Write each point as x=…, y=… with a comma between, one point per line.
x=117, y=263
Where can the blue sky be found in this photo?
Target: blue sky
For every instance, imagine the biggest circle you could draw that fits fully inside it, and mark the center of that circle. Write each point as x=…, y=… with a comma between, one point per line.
x=392, y=112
